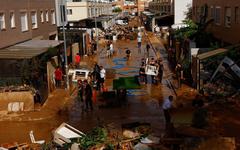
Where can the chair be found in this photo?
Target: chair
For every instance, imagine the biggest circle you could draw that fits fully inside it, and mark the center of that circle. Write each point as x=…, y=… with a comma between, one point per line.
x=33, y=139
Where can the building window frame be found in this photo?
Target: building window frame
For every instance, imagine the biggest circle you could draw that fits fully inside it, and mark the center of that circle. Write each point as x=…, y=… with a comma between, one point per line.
x=217, y=17
x=34, y=19
x=227, y=17
x=12, y=19
x=2, y=21
x=212, y=12
x=69, y=11
x=236, y=15
x=53, y=17
x=24, y=21
x=46, y=16
x=41, y=16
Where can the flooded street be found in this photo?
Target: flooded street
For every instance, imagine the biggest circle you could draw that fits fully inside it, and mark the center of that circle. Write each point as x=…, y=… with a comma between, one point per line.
x=143, y=105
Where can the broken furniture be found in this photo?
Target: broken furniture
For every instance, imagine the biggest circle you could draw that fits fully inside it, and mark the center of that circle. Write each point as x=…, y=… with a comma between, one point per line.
x=65, y=133
x=33, y=139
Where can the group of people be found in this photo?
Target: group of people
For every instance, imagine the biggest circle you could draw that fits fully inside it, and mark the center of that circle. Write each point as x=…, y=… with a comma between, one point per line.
x=157, y=73
x=99, y=76
x=85, y=94
x=87, y=87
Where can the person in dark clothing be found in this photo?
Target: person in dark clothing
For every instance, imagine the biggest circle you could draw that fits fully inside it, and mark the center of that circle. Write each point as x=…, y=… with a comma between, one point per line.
x=147, y=48
x=142, y=74
x=166, y=106
x=128, y=54
x=178, y=70
x=96, y=75
x=200, y=115
x=88, y=96
x=80, y=90
x=160, y=72
x=122, y=96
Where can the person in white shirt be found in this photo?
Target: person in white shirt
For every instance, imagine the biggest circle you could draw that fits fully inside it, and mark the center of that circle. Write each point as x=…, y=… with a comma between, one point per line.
x=111, y=49
x=166, y=106
x=102, y=75
x=139, y=40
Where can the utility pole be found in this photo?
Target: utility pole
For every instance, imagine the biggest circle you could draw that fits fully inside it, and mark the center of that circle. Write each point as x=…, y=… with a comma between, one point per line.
x=62, y=8
x=96, y=30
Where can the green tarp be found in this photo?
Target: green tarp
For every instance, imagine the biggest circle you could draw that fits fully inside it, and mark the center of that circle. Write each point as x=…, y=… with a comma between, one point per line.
x=126, y=83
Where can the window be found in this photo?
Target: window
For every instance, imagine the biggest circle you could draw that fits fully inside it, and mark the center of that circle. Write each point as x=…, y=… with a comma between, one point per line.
x=53, y=17
x=2, y=21
x=46, y=16
x=236, y=15
x=89, y=12
x=69, y=11
x=24, y=21
x=227, y=17
x=212, y=12
x=217, y=15
x=12, y=20
x=92, y=12
x=34, y=19
x=41, y=16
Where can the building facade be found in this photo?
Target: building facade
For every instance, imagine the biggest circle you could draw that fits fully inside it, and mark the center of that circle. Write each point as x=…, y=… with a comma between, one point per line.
x=26, y=19
x=162, y=7
x=181, y=7
x=225, y=15
x=80, y=10
x=61, y=12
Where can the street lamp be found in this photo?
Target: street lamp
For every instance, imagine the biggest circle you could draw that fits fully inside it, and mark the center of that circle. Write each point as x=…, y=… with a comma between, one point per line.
x=96, y=23
x=62, y=8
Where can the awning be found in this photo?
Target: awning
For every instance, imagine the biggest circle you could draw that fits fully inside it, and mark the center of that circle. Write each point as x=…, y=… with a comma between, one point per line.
x=211, y=53
x=28, y=49
x=165, y=20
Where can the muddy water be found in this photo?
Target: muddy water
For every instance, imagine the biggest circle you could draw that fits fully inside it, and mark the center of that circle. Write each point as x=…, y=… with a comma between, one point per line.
x=143, y=104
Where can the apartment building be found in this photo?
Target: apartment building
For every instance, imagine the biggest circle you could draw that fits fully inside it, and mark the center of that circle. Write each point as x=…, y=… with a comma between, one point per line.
x=181, y=7
x=162, y=7
x=225, y=15
x=26, y=19
x=82, y=9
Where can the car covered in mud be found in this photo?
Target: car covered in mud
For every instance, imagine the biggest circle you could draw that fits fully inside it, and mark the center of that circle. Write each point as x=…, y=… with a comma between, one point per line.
x=78, y=74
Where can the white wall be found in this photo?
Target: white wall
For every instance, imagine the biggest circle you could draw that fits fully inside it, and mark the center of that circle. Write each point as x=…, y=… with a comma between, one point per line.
x=180, y=8
x=79, y=11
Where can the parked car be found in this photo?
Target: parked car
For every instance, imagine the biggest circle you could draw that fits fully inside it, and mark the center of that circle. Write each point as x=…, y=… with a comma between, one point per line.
x=78, y=74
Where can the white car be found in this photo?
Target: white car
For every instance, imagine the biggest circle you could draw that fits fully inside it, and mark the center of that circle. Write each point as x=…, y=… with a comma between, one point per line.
x=79, y=74
x=121, y=22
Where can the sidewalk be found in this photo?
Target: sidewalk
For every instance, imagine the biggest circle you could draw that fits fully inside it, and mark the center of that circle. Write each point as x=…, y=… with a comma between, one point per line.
x=185, y=93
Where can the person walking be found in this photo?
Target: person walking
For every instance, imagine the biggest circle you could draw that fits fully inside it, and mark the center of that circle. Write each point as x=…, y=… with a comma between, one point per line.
x=142, y=74
x=152, y=63
x=178, y=70
x=166, y=106
x=77, y=60
x=80, y=90
x=58, y=76
x=139, y=39
x=160, y=71
x=111, y=49
x=102, y=76
x=147, y=49
x=88, y=95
